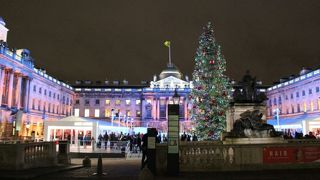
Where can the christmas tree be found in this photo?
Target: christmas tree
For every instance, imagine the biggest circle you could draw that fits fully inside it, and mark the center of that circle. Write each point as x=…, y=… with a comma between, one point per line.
x=211, y=93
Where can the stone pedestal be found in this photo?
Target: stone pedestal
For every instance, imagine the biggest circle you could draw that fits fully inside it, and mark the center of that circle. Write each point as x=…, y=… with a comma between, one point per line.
x=269, y=140
x=236, y=109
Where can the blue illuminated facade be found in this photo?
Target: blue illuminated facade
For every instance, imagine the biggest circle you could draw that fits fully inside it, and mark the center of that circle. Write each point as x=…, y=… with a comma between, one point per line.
x=28, y=96
x=297, y=100
x=143, y=105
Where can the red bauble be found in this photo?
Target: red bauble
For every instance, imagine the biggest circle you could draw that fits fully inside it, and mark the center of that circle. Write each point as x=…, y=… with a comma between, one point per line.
x=190, y=97
x=211, y=61
x=221, y=113
x=224, y=93
x=213, y=101
x=210, y=133
x=194, y=106
x=199, y=88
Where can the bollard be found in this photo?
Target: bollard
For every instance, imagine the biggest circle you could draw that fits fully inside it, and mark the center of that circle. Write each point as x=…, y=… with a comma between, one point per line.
x=99, y=167
x=86, y=162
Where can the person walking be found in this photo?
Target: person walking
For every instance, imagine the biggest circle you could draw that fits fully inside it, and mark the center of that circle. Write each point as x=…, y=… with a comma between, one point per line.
x=144, y=148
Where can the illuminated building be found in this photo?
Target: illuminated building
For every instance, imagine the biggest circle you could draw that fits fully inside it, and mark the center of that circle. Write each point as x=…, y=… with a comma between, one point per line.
x=294, y=103
x=141, y=105
x=28, y=96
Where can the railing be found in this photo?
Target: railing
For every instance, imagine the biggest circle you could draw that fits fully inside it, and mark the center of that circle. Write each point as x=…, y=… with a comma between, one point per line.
x=15, y=156
x=197, y=156
x=88, y=146
x=13, y=55
x=213, y=156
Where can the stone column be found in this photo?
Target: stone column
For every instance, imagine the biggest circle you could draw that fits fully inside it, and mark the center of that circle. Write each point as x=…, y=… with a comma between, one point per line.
x=167, y=102
x=158, y=108
x=10, y=90
x=143, y=104
x=2, y=73
x=27, y=94
x=154, y=108
x=18, y=91
x=185, y=103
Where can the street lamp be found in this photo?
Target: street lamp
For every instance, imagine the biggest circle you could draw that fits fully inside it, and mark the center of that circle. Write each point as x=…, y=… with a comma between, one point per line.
x=27, y=127
x=176, y=97
x=277, y=111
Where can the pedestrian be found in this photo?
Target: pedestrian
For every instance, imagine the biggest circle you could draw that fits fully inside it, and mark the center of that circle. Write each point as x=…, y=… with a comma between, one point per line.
x=139, y=142
x=105, y=138
x=194, y=137
x=144, y=147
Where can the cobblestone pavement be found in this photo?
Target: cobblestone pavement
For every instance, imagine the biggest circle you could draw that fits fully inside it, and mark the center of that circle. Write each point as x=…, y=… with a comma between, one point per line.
x=121, y=168
x=115, y=168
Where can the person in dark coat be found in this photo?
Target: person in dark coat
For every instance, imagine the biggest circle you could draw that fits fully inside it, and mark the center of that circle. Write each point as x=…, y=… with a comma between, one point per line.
x=144, y=147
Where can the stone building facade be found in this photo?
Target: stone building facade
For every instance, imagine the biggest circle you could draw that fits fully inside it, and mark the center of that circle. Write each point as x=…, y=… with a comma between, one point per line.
x=294, y=103
x=28, y=95
x=143, y=105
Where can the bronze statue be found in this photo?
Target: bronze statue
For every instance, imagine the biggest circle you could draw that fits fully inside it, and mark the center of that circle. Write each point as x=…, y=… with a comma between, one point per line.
x=248, y=91
x=250, y=124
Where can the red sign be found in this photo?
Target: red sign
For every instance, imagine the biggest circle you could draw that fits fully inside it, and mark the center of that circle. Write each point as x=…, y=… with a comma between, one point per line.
x=290, y=154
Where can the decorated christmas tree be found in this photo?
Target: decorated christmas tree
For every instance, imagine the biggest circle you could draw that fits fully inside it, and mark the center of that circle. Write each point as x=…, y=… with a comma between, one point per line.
x=211, y=93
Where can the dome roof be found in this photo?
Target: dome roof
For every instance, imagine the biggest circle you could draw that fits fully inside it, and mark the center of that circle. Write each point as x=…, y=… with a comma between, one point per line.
x=2, y=21
x=171, y=70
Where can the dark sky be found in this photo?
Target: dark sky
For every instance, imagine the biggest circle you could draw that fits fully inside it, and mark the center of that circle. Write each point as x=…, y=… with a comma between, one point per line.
x=119, y=39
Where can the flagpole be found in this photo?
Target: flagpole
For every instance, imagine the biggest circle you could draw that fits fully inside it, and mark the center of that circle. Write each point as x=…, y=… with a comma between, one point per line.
x=170, y=54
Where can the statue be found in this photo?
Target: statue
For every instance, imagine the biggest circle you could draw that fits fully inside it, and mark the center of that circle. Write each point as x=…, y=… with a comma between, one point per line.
x=249, y=92
x=251, y=125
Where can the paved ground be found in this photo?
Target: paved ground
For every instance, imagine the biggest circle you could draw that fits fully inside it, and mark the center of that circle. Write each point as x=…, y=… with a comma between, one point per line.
x=129, y=169
x=115, y=168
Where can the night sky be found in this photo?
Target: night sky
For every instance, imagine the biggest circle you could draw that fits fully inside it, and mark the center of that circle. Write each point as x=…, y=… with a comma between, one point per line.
x=117, y=39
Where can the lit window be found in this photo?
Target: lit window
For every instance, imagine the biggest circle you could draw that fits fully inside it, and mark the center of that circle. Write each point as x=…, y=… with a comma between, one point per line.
x=96, y=112
x=76, y=112
x=318, y=104
x=138, y=113
x=311, y=105
x=86, y=113
x=118, y=102
x=107, y=113
x=304, y=107
x=128, y=113
x=138, y=102
x=128, y=102
x=107, y=101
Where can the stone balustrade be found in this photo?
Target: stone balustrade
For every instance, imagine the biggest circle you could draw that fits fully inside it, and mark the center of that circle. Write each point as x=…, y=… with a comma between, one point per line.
x=18, y=156
x=215, y=156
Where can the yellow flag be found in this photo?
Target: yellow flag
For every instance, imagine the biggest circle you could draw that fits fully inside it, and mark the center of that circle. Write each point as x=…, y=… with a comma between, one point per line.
x=167, y=43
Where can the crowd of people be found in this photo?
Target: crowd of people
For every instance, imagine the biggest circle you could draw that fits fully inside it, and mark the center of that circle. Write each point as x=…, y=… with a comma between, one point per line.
x=299, y=135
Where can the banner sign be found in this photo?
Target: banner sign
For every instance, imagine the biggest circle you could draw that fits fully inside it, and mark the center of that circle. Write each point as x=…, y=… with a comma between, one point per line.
x=173, y=129
x=291, y=154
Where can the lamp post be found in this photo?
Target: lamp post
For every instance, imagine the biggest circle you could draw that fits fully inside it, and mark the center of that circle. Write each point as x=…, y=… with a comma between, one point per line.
x=277, y=111
x=173, y=135
x=27, y=125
